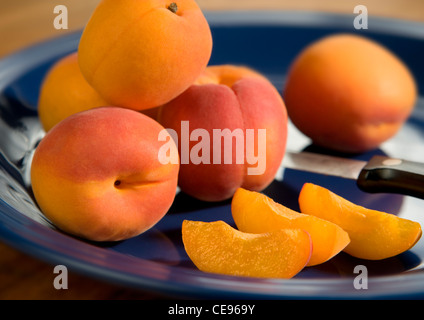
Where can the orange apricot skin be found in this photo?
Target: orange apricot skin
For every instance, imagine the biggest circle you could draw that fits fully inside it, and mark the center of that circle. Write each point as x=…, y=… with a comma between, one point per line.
x=374, y=235
x=216, y=247
x=349, y=93
x=64, y=91
x=229, y=97
x=96, y=174
x=139, y=54
x=254, y=212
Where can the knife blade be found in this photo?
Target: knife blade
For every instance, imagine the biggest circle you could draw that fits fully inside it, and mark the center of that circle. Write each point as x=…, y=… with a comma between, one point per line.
x=380, y=174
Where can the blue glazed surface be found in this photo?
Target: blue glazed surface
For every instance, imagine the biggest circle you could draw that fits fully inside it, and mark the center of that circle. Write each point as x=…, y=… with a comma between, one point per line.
x=156, y=260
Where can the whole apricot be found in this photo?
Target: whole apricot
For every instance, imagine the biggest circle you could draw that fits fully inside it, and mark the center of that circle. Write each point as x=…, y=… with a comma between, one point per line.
x=141, y=54
x=97, y=174
x=64, y=91
x=349, y=93
x=231, y=130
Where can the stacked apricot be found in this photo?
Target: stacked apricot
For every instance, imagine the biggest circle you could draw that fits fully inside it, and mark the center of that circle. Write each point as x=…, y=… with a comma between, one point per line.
x=274, y=241
x=96, y=174
x=239, y=103
x=127, y=61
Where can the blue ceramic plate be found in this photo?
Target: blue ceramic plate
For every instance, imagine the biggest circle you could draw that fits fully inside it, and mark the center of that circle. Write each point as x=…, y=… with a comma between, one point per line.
x=156, y=261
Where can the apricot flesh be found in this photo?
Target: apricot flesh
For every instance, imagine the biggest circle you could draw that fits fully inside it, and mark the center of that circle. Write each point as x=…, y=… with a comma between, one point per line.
x=374, y=235
x=349, y=93
x=255, y=212
x=217, y=247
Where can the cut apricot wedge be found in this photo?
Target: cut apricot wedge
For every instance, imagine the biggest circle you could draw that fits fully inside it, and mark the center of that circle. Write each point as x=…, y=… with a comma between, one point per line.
x=255, y=212
x=374, y=235
x=216, y=247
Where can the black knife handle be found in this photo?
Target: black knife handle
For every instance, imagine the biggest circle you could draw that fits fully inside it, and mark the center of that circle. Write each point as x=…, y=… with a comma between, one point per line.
x=389, y=175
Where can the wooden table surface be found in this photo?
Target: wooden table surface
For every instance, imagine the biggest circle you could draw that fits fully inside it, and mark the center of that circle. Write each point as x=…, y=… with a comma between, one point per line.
x=25, y=22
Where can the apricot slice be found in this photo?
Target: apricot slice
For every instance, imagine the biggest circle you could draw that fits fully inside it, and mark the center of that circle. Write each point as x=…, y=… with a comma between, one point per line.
x=217, y=247
x=255, y=212
x=374, y=234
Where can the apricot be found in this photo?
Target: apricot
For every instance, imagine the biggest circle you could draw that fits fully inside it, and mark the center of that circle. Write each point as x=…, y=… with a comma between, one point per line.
x=217, y=247
x=231, y=129
x=349, y=93
x=64, y=91
x=96, y=174
x=141, y=54
x=255, y=212
x=374, y=234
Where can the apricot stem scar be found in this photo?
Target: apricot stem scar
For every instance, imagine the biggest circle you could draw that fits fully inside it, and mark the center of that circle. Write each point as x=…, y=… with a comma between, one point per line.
x=173, y=7
x=117, y=183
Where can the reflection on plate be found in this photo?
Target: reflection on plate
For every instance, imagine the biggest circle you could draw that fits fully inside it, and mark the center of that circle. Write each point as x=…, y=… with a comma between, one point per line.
x=156, y=260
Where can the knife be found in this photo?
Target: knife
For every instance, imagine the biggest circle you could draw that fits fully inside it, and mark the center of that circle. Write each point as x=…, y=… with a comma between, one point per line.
x=381, y=174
